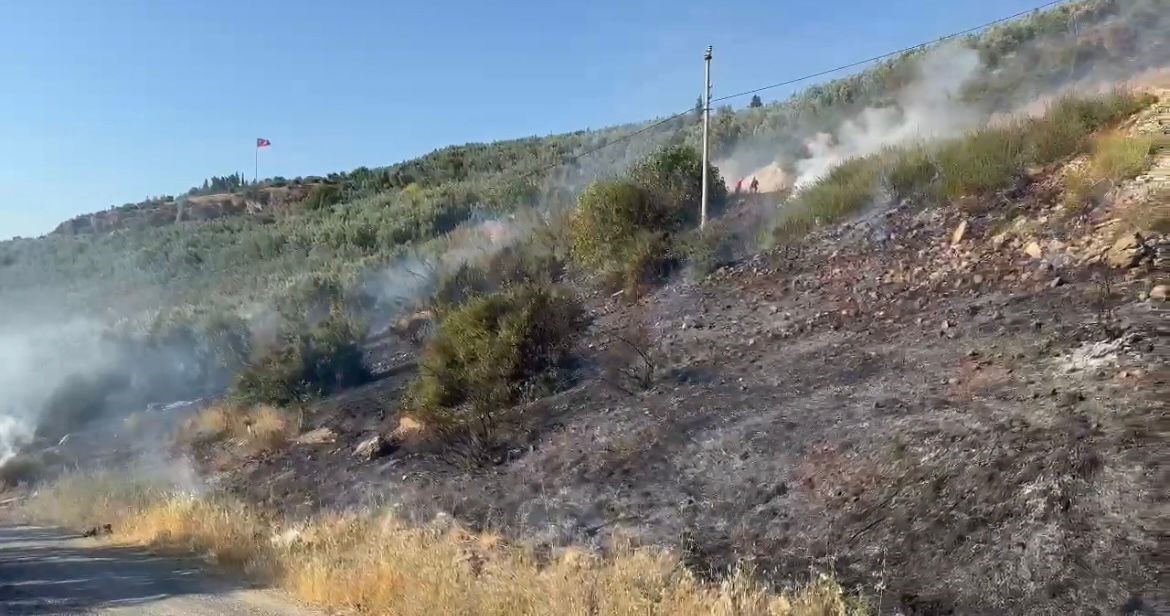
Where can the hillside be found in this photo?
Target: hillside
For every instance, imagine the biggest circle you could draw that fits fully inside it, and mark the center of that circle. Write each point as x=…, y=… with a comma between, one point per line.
x=924, y=370
x=377, y=215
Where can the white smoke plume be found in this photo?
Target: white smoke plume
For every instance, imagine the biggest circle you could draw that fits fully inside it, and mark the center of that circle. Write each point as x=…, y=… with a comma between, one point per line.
x=929, y=108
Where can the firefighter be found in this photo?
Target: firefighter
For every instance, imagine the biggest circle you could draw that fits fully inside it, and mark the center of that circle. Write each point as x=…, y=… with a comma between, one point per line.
x=755, y=185
x=738, y=186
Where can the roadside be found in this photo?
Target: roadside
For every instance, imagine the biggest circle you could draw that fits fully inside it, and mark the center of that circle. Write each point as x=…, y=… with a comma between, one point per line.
x=48, y=571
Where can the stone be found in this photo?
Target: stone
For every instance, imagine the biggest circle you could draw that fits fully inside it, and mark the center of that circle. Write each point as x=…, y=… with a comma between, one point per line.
x=320, y=436
x=1160, y=293
x=1034, y=250
x=372, y=448
x=959, y=232
x=1056, y=282
x=1125, y=252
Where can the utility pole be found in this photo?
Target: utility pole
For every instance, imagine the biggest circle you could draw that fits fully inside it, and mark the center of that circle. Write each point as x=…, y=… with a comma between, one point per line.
x=706, y=132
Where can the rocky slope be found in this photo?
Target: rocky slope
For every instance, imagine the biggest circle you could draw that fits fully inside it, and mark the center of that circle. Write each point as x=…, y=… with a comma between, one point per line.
x=965, y=408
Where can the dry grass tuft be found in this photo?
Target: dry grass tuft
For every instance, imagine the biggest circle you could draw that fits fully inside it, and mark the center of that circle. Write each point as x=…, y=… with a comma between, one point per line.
x=371, y=564
x=1117, y=157
x=259, y=428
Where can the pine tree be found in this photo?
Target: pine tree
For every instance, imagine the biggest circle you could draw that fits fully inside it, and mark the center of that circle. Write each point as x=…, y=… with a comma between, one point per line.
x=756, y=102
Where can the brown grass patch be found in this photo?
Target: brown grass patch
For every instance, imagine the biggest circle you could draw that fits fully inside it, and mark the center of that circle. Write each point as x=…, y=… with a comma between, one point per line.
x=375, y=564
x=259, y=428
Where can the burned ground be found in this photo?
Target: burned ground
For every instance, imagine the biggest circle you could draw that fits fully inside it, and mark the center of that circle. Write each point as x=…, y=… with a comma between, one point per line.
x=956, y=410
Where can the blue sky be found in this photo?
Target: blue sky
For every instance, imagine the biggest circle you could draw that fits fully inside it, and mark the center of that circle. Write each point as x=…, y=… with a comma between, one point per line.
x=109, y=102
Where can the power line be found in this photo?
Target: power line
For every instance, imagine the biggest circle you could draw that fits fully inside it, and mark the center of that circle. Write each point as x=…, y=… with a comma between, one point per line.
x=953, y=35
x=891, y=54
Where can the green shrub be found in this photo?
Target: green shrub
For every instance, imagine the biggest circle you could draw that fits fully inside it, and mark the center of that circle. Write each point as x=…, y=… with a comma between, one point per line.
x=609, y=216
x=911, y=172
x=647, y=259
x=705, y=251
x=985, y=161
x=323, y=196
x=486, y=351
x=522, y=264
x=673, y=177
x=1055, y=138
x=305, y=362
x=846, y=190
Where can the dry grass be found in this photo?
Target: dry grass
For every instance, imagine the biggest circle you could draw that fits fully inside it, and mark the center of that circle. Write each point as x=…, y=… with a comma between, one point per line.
x=374, y=564
x=1118, y=157
x=1114, y=158
x=259, y=428
x=1150, y=216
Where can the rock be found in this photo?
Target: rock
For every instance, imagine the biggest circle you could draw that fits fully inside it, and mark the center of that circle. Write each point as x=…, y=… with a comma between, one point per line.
x=1125, y=252
x=97, y=531
x=1056, y=282
x=1160, y=293
x=320, y=436
x=372, y=448
x=959, y=232
x=977, y=279
x=1033, y=249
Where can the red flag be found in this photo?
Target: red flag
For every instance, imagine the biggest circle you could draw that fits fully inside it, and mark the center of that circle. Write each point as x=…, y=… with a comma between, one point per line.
x=262, y=143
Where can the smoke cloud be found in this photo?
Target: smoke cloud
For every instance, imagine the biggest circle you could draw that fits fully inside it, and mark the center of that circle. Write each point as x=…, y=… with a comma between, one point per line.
x=954, y=90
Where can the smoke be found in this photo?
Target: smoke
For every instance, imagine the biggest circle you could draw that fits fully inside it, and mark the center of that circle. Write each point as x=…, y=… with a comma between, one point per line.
x=954, y=88
x=65, y=374
x=406, y=283
x=929, y=108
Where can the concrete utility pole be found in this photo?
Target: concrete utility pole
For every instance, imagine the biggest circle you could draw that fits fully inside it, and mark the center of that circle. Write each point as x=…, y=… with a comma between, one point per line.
x=706, y=132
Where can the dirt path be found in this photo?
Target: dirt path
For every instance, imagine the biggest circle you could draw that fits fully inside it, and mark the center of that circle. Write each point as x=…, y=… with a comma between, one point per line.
x=47, y=571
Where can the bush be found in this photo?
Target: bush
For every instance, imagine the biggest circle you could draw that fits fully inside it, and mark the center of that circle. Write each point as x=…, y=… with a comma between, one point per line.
x=627, y=230
x=609, y=216
x=911, y=172
x=647, y=259
x=304, y=363
x=323, y=196
x=523, y=264
x=985, y=161
x=1117, y=157
x=705, y=251
x=674, y=179
x=487, y=351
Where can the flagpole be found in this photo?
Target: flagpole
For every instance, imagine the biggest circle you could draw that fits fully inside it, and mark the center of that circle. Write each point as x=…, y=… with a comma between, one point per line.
x=256, y=172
